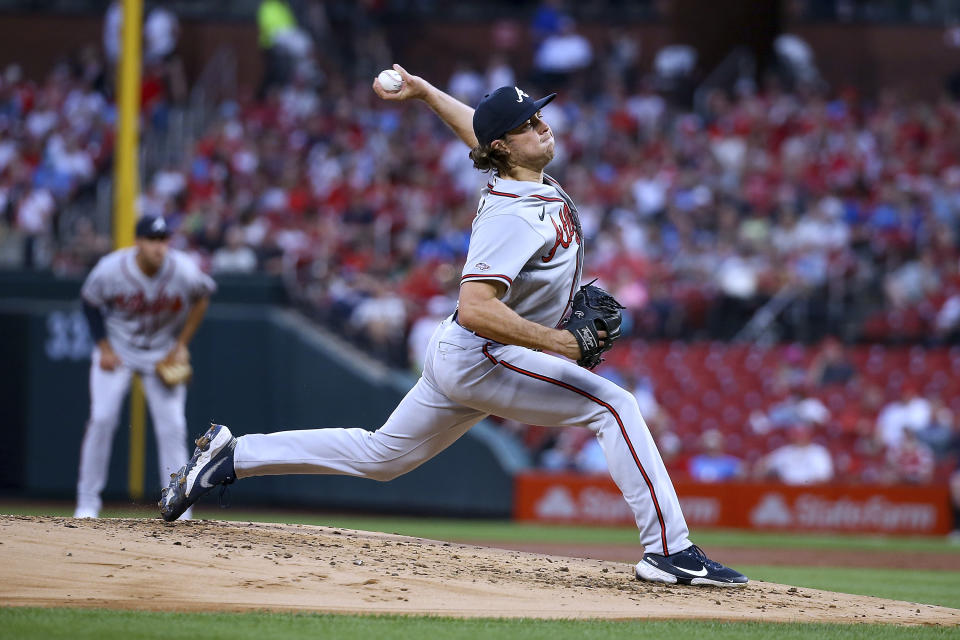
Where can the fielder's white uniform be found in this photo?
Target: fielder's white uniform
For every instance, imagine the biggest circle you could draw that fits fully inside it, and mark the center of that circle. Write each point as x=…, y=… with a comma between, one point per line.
x=526, y=236
x=143, y=317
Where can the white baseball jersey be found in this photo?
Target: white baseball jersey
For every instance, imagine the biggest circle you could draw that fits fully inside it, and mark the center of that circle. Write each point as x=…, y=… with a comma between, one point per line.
x=143, y=315
x=526, y=235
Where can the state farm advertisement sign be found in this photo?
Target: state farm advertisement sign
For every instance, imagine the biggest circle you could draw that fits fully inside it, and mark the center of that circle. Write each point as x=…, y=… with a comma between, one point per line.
x=568, y=498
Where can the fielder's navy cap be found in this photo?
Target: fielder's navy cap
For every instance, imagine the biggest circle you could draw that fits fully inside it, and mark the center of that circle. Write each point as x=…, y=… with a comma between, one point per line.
x=504, y=110
x=153, y=227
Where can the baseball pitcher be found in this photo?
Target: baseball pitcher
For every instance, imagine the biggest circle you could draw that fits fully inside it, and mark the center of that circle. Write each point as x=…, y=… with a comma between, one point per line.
x=520, y=302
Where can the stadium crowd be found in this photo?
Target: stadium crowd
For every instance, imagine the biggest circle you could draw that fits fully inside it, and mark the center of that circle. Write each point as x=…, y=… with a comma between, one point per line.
x=846, y=205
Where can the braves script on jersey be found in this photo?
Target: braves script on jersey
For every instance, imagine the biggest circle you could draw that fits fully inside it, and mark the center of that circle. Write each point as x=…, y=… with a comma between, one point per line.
x=143, y=315
x=525, y=236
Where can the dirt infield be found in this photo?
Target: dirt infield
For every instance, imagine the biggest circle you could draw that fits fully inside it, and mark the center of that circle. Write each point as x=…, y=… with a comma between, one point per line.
x=230, y=566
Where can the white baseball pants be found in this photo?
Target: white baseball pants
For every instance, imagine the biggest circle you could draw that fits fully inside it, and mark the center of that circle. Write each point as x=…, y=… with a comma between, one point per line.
x=107, y=391
x=466, y=378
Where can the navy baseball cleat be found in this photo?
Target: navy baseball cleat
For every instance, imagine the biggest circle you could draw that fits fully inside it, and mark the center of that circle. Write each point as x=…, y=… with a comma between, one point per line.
x=690, y=566
x=210, y=466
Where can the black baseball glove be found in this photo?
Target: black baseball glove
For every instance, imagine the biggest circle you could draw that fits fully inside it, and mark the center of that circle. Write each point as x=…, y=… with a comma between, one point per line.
x=594, y=310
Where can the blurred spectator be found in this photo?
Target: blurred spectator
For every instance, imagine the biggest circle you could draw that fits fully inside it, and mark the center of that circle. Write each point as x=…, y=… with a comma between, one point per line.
x=438, y=308
x=499, y=73
x=675, y=67
x=161, y=30
x=800, y=462
x=675, y=61
x=830, y=365
x=547, y=19
x=282, y=44
x=794, y=410
x=113, y=31
x=910, y=412
x=234, y=256
x=467, y=84
x=913, y=281
x=942, y=432
x=947, y=323
x=35, y=223
x=714, y=464
x=796, y=59
x=562, y=54
x=382, y=318
x=737, y=278
x=910, y=461
x=563, y=454
x=590, y=458
x=791, y=374
x=643, y=391
x=82, y=251
x=162, y=64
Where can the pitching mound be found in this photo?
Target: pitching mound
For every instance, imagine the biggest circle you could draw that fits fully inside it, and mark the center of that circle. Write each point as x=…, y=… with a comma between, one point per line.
x=219, y=566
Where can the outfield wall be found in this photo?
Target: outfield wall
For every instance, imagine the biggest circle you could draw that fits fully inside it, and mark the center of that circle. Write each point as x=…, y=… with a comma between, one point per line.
x=580, y=499
x=258, y=368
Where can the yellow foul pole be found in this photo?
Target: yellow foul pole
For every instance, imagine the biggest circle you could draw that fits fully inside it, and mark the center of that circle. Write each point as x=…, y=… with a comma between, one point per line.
x=125, y=191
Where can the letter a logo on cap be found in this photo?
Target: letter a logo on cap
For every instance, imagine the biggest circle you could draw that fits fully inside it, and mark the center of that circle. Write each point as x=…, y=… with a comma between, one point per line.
x=158, y=226
x=521, y=94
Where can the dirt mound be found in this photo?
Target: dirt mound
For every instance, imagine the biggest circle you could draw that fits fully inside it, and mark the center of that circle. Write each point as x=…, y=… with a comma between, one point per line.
x=219, y=566
x=736, y=556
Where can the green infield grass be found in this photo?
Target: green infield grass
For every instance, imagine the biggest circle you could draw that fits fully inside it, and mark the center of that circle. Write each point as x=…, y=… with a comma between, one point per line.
x=99, y=624
x=926, y=587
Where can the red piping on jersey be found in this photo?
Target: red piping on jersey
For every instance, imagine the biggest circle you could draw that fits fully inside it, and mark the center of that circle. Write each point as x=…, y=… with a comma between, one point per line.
x=501, y=193
x=616, y=416
x=514, y=195
x=573, y=285
x=487, y=276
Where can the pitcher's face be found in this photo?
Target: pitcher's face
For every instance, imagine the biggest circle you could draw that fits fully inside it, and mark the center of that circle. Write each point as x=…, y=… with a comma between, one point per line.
x=531, y=145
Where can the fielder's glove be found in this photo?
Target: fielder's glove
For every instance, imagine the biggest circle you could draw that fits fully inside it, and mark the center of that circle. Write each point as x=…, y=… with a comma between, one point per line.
x=594, y=310
x=173, y=373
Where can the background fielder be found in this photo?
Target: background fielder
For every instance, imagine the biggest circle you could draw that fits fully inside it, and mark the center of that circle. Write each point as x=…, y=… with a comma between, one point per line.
x=143, y=305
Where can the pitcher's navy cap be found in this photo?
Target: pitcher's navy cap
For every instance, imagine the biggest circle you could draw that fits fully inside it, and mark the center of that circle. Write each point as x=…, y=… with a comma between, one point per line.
x=504, y=110
x=153, y=227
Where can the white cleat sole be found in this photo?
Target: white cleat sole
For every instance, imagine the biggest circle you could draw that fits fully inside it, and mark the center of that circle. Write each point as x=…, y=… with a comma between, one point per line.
x=649, y=573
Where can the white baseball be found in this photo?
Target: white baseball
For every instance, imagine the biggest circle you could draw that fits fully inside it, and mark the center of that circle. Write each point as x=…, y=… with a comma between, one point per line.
x=390, y=80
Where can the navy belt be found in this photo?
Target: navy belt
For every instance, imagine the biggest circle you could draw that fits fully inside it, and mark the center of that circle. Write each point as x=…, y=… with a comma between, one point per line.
x=456, y=313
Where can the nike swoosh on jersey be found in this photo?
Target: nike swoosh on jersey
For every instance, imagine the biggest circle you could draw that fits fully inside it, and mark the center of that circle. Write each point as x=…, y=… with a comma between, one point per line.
x=543, y=212
x=701, y=572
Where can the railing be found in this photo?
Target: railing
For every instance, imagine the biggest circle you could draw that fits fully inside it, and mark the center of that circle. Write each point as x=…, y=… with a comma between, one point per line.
x=185, y=124
x=838, y=307
x=760, y=328
x=739, y=63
